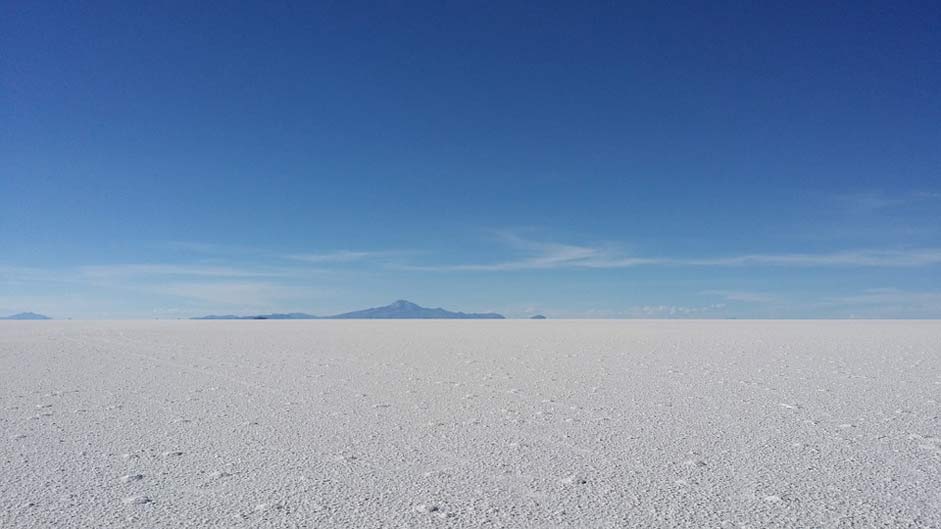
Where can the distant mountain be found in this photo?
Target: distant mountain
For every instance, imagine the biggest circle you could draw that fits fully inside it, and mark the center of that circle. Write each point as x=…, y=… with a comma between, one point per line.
x=26, y=316
x=400, y=310
x=406, y=310
x=537, y=317
x=291, y=316
x=288, y=316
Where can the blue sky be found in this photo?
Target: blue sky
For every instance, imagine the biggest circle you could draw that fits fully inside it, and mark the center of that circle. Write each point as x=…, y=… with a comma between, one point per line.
x=607, y=160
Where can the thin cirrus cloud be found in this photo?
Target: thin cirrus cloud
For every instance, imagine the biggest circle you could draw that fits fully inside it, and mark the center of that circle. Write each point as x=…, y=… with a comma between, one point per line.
x=741, y=295
x=543, y=255
x=341, y=256
x=231, y=250
x=538, y=255
x=141, y=270
x=884, y=296
x=277, y=267
x=534, y=256
x=557, y=256
x=873, y=201
x=211, y=248
x=236, y=293
x=643, y=311
x=866, y=258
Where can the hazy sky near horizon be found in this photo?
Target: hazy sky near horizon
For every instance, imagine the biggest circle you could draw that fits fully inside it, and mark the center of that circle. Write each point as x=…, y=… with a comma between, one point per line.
x=606, y=160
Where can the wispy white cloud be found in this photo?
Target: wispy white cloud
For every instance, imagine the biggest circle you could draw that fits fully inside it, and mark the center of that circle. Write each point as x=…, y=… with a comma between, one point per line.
x=741, y=295
x=211, y=248
x=885, y=303
x=275, y=281
x=134, y=289
x=873, y=201
x=139, y=270
x=341, y=256
x=540, y=255
x=861, y=258
x=652, y=311
x=237, y=294
x=882, y=296
x=928, y=195
x=546, y=255
x=234, y=251
x=21, y=274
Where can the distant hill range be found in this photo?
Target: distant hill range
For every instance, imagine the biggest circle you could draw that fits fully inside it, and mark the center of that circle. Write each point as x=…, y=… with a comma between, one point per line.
x=26, y=316
x=400, y=310
x=291, y=316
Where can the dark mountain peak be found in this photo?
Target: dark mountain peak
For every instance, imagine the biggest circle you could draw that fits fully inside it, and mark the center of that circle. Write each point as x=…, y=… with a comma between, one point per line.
x=404, y=309
x=398, y=310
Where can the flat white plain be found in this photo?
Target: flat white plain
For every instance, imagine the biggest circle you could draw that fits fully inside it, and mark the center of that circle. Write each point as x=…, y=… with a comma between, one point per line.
x=470, y=424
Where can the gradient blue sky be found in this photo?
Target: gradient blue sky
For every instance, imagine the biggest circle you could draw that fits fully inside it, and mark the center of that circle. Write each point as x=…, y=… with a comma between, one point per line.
x=607, y=160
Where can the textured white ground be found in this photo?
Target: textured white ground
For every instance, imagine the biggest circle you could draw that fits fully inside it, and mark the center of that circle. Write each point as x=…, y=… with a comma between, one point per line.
x=579, y=424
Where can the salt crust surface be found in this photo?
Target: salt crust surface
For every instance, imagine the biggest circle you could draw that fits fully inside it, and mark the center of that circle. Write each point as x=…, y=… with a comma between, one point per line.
x=375, y=424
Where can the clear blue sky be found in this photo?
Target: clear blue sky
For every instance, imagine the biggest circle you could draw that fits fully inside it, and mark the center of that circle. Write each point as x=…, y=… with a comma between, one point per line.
x=617, y=159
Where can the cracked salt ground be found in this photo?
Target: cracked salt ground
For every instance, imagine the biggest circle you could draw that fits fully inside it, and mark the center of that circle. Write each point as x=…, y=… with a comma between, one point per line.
x=603, y=424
